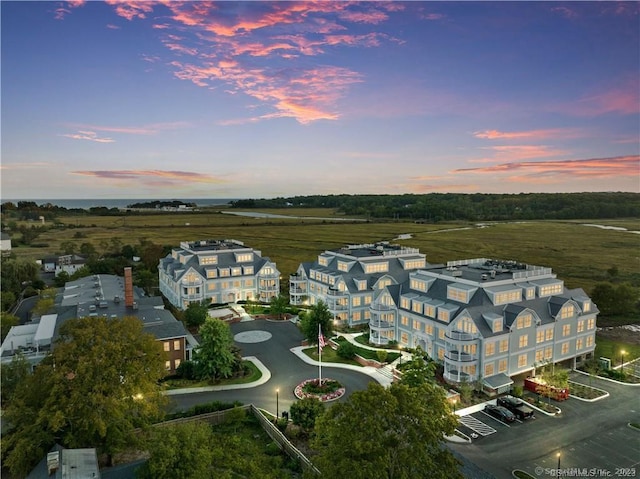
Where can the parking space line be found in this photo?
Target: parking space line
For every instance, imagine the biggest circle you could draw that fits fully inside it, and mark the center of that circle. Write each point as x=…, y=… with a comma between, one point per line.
x=477, y=425
x=494, y=418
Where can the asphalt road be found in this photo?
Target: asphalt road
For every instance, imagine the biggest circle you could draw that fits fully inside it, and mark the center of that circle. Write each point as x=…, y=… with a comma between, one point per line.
x=287, y=370
x=590, y=437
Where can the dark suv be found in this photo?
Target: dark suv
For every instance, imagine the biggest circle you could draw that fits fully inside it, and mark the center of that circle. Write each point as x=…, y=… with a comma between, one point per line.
x=516, y=406
x=499, y=412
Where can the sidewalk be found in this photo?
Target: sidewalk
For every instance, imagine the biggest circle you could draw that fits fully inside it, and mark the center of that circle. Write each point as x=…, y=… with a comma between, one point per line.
x=266, y=375
x=369, y=370
x=351, y=337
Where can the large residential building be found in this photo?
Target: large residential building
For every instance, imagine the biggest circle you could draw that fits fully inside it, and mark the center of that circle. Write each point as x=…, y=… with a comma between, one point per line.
x=347, y=279
x=218, y=271
x=482, y=319
x=101, y=295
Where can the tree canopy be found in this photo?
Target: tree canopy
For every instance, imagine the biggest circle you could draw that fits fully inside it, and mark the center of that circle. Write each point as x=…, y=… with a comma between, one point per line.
x=278, y=305
x=417, y=371
x=387, y=432
x=216, y=357
x=319, y=314
x=99, y=383
x=196, y=313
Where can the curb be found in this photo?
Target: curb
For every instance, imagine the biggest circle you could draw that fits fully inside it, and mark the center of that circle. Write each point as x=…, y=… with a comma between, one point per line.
x=603, y=396
x=266, y=375
x=607, y=379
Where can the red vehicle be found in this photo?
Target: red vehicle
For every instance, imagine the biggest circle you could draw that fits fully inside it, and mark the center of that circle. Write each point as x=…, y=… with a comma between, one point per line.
x=539, y=386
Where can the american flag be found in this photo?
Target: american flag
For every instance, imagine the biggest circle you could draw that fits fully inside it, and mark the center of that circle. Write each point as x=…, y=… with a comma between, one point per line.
x=321, y=343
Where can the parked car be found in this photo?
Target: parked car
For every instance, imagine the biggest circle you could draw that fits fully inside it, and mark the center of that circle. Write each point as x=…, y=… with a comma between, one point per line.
x=516, y=406
x=499, y=412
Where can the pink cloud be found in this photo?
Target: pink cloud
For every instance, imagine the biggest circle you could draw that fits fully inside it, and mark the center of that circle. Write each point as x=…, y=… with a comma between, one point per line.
x=150, y=177
x=622, y=99
x=565, y=11
x=561, y=170
x=151, y=129
x=504, y=153
x=64, y=8
x=131, y=9
x=89, y=136
x=527, y=134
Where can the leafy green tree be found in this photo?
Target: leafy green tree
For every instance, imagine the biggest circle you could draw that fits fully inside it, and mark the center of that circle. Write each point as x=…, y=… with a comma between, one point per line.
x=181, y=451
x=68, y=247
x=305, y=411
x=97, y=386
x=8, y=298
x=88, y=250
x=417, y=371
x=216, y=357
x=387, y=432
x=12, y=374
x=319, y=314
x=346, y=350
x=613, y=300
x=61, y=279
x=278, y=305
x=7, y=321
x=196, y=314
x=15, y=274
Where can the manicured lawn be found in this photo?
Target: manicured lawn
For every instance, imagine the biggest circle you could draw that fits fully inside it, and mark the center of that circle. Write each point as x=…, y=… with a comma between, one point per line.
x=328, y=356
x=611, y=349
x=370, y=354
x=254, y=375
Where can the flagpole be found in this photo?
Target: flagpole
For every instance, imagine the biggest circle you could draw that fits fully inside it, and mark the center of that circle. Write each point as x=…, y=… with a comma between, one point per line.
x=320, y=354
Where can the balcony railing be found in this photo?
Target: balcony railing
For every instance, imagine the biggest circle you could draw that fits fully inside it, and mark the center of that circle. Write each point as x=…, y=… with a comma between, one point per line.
x=381, y=324
x=337, y=307
x=335, y=292
x=381, y=307
x=459, y=356
x=294, y=290
x=268, y=287
x=297, y=279
x=460, y=336
x=457, y=376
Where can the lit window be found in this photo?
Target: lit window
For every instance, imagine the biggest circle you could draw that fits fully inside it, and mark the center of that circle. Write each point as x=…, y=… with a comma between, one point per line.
x=404, y=338
x=539, y=336
x=581, y=326
x=176, y=345
x=548, y=353
x=502, y=366
x=566, y=330
x=591, y=323
x=167, y=365
x=522, y=360
x=565, y=348
x=441, y=333
x=404, y=321
x=166, y=346
x=489, y=349
x=523, y=341
x=590, y=341
x=504, y=345
x=497, y=325
x=356, y=300
x=579, y=344
x=429, y=329
x=177, y=363
x=440, y=353
x=488, y=370
x=586, y=307
x=567, y=311
x=416, y=307
x=416, y=325
x=430, y=311
x=539, y=355
x=443, y=315
x=548, y=335
x=405, y=303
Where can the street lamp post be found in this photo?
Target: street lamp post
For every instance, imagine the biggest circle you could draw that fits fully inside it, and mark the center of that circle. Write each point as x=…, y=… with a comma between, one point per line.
x=277, y=404
x=622, y=360
x=558, y=460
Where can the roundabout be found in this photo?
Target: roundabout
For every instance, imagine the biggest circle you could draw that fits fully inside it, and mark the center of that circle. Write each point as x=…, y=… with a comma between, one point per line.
x=325, y=391
x=252, y=337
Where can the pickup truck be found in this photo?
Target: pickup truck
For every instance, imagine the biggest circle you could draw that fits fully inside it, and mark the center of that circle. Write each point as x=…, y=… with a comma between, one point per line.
x=517, y=407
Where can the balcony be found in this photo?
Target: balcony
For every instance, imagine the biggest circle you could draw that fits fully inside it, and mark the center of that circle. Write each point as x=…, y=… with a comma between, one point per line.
x=459, y=336
x=338, y=307
x=458, y=356
x=268, y=287
x=381, y=307
x=194, y=282
x=335, y=292
x=381, y=325
x=456, y=376
x=296, y=279
x=294, y=290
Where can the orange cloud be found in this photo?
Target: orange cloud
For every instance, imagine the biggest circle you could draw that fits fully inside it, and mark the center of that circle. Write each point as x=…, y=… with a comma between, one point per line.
x=560, y=170
x=517, y=153
x=131, y=9
x=623, y=99
x=150, y=177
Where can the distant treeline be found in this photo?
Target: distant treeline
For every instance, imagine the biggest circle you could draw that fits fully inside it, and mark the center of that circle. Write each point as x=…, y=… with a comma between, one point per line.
x=162, y=204
x=437, y=207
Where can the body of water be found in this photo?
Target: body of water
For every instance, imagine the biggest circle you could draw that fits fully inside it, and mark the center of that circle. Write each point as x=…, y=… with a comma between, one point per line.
x=120, y=202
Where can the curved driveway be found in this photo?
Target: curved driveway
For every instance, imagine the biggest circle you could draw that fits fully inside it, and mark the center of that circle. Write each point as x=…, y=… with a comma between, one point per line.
x=287, y=370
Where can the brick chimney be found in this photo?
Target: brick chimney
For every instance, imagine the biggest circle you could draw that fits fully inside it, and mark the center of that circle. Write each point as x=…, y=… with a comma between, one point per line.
x=128, y=288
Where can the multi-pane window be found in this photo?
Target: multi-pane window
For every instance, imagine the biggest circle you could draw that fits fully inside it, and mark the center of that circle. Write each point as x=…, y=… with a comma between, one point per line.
x=539, y=336
x=440, y=352
x=566, y=330
x=405, y=303
x=404, y=320
x=550, y=289
x=523, y=321
x=589, y=341
x=489, y=349
x=523, y=341
x=567, y=311
x=376, y=268
x=565, y=348
x=414, y=264
x=416, y=307
x=504, y=345
x=343, y=266
x=212, y=273
x=502, y=366
x=591, y=323
x=586, y=306
x=441, y=333
x=208, y=260
x=429, y=329
x=522, y=360
x=167, y=346
x=419, y=285
x=457, y=294
x=244, y=257
x=356, y=316
x=539, y=355
x=443, y=315
x=467, y=325
x=236, y=271
x=548, y=334
x=430, y=310
x=416, y=325
x=404, y=338
x=579, y=344
x=497, y=325
x=356, y=301
x=548, y=352
x=581, y=325
x=176, y=345
x=488, y=370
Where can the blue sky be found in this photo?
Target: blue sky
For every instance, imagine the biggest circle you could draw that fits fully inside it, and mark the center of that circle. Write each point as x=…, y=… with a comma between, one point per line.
x=261, y=99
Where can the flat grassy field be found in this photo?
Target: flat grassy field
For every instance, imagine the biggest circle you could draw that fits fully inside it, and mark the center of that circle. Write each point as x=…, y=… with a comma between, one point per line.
x=581, y=255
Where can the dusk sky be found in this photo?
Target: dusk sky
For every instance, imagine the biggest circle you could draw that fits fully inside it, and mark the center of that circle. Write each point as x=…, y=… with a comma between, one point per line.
x=184, y=100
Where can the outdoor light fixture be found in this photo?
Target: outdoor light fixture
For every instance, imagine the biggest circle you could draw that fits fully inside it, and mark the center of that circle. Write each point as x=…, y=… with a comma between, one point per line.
x=277, y=403
x=558, y=460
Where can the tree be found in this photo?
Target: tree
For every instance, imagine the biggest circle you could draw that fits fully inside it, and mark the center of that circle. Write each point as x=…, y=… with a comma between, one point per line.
x=8, y=299
x=216, y=357
x=181, y=451
x=7, y=321
x=305, y=411
x=278, y=305
x=12, y=374
x=319, y=314
x=387, y=432
x=417, y=371
x=97, y=386
x=196, y=314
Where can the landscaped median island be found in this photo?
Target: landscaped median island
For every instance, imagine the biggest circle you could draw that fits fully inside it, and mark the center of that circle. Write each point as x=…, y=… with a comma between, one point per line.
x=323, y=390
x=587, y=393
x=252, y=373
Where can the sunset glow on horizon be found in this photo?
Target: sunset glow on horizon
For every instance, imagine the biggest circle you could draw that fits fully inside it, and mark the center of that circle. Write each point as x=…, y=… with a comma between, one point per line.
x=172, y=99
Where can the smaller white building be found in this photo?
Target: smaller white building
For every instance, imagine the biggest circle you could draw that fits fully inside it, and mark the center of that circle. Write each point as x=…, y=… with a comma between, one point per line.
x=5, y=243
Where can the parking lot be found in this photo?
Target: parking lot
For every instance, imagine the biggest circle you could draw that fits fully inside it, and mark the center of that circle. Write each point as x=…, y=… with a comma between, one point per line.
x=591, y=437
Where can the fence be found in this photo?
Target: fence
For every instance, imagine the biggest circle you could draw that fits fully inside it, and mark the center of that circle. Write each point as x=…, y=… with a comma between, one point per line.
x=218, y=417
